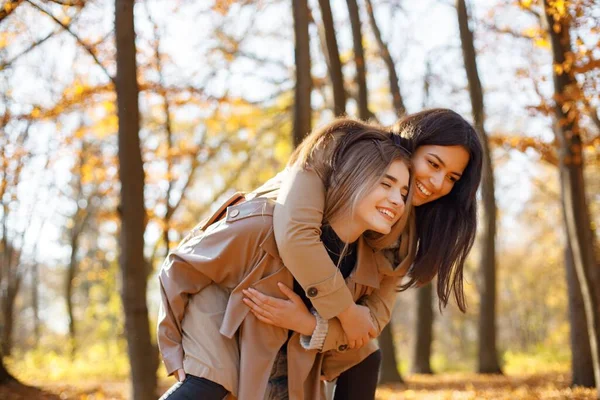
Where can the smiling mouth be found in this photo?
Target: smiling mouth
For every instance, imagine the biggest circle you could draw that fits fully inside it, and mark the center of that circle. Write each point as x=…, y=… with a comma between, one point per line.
x=423, y=190
x=388, y=214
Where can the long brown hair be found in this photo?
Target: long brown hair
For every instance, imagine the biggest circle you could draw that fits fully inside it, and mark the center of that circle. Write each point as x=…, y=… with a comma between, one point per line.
x=445, y=227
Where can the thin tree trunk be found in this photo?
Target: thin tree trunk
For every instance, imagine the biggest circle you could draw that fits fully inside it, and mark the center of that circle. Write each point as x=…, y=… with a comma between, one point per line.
x=334, y=64
x=71, y=272
x=302, y=109
x=582, y=366
x=8, y=308
x=398, y=101
x=359, y=60
x=389, y=364
x=5, y=376
x=576, y=212
x=424, y=331
x=488, y=357
x=35, y=302
x=142, y=353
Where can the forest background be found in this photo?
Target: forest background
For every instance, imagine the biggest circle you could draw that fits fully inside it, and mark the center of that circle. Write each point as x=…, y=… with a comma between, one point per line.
x=123, y=123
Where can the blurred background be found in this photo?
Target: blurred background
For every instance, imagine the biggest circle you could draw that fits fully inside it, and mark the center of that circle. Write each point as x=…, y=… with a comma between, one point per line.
x=123, y=123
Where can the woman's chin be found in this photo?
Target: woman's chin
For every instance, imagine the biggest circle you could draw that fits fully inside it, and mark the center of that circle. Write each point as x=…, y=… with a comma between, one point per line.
x=384, y=230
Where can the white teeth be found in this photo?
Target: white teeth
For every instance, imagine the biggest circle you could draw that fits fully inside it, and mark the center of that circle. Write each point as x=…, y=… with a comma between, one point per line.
x=387, y=212
x=423, y=190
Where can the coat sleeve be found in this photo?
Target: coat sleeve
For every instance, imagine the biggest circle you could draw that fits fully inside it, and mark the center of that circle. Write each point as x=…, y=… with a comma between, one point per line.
x=297, y=223
x=222, y=254
x=380, y=303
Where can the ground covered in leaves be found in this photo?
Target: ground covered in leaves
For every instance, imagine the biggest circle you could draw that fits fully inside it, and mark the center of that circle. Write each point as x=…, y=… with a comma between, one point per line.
x=438, y=387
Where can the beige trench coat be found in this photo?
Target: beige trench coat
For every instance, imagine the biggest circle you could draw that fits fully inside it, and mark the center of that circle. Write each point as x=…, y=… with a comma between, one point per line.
x=205, y=327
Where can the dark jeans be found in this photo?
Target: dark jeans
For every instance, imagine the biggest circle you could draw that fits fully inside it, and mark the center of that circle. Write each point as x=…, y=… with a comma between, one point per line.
x=193, y=388
x=360, y=381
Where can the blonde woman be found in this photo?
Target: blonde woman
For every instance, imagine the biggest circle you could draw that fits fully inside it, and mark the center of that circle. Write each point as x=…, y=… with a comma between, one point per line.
x=206, y=332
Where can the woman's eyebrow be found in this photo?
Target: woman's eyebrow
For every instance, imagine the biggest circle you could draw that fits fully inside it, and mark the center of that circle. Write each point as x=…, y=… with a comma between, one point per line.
x=438, y=158
x=444, y=164
x=391, y=178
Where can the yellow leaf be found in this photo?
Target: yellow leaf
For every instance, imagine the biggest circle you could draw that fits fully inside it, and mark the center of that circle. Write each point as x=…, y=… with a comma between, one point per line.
x=78, y=89
x=558, y=68
x=542, y=42
x=526, y=3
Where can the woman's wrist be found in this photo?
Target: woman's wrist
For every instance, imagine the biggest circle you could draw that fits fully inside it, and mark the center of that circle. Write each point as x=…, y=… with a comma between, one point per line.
x=310, y=325
x=346, y=314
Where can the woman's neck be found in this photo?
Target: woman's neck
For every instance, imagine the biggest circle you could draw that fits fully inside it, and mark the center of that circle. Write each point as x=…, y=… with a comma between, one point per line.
x=346, y=229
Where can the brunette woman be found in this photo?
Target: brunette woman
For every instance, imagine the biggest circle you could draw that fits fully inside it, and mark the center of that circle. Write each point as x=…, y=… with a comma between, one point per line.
x=447, y=157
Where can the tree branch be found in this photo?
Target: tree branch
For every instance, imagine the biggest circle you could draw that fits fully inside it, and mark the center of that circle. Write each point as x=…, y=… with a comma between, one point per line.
x=6, y=64
x=8, y=8
x=67, y=28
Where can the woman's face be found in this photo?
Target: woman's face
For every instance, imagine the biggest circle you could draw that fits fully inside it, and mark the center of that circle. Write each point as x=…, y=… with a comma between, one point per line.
x=383, y=206
x=436, y=170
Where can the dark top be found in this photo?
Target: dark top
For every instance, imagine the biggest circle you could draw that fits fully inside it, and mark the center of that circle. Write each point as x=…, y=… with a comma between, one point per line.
x=334, y=246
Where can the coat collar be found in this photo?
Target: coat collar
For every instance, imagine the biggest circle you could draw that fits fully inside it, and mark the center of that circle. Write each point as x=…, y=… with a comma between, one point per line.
x=367, y=265
x=270, y=246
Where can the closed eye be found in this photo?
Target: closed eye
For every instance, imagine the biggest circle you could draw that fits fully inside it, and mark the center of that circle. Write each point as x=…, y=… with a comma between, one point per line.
x=387, y=185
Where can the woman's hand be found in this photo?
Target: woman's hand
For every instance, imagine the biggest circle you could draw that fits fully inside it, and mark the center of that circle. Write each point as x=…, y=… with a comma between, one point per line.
x=289, y=314
x=358, y=325
x=180, y=375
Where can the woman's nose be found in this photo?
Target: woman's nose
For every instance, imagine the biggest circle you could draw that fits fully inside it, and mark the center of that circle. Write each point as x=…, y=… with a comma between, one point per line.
x=437, y=181
x=396, y=198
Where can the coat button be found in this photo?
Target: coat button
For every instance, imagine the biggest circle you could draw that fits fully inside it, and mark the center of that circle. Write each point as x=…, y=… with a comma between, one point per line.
x=343, y=347
x=234, y=213
x=312, y=292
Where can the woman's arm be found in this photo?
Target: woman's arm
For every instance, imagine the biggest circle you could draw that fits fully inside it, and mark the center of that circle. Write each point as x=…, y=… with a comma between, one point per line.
x=297, y=223
x=318, y=333
x=379, y=304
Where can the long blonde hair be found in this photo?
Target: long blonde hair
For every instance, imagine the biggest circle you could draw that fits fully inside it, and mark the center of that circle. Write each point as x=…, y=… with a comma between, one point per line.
x=351, y=157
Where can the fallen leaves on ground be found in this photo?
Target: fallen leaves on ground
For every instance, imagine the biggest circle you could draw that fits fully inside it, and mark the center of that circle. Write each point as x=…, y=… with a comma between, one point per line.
x=421, y=387
x=479, y=386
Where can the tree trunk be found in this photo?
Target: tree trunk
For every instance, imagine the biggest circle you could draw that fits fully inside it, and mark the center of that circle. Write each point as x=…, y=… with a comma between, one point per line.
x=359, y=60
x=142, y=353
x=389, y=63
x=5, y=376
x=576, y=213
x=424, y=331
x=8, y=308
x=334, y=64
x=488, y=358
x=389, y=363
x=582, y=366
x=35, y=302
x=69, y=291
x=302, y=110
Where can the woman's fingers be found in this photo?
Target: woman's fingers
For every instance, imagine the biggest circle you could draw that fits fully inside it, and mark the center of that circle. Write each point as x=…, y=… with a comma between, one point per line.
x=256, y=308
x=262, y=318
x=263, y=300
x=288, y=292
x=257, y=297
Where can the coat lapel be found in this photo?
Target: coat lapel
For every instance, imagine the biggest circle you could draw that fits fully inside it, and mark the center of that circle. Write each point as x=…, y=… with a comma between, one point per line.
x=366, y=271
